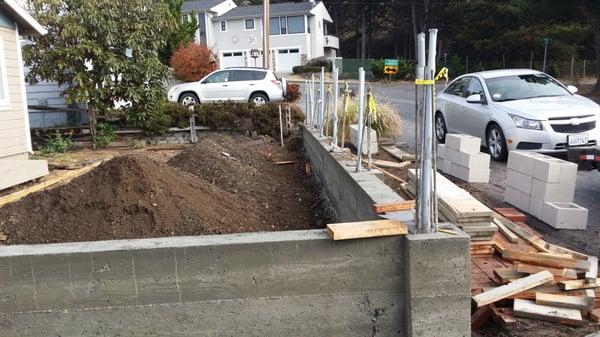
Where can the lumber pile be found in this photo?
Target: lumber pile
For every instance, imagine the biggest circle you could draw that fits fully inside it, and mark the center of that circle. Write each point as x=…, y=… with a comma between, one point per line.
x=537, y=280
x=458, y=206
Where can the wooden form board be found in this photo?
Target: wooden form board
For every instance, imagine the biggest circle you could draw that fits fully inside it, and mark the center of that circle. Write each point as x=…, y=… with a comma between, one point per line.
x=508, y=274
x=528, y=309
x=502, y=316
x=592, y=274
x=546, y=260
x=559, y=272
x=578, y=284
x=390, y=164
x=515, y=287
x=394, y=206
x=538, y=243
x=595, y=315
x=562, y=301
x=399, y=154
x=366, y=229
x=510, y=236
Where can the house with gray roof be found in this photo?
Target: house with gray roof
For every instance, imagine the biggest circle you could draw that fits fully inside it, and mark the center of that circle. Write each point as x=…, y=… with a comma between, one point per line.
x=298, y=32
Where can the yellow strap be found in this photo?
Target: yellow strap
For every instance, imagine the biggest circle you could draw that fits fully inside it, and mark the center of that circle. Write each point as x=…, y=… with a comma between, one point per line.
x=424, y=82
x=442, y=74
x=372, y=107
x=329, y=89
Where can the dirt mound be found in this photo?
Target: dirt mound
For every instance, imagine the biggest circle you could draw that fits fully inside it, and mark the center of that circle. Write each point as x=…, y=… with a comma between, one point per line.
x=248, y=167
x=128, y=197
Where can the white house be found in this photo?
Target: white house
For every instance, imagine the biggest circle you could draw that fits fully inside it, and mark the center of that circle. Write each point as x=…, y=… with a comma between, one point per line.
x=298, y=32
x=15, y=138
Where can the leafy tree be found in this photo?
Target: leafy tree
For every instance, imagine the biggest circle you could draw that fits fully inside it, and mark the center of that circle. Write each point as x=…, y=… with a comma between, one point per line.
x=184, y=34
x=591, y=12
x=105, y=51
x=191, y=62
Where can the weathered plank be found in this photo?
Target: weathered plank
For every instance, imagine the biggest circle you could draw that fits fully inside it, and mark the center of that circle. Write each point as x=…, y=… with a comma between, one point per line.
x=366, y=229
x=394, y=206
x=515, y=287
x=562, y=301
x=508, y=274
x=592, y=274
x=546, y=260
x=559, y=272
x=538, y=243
x=502, y=316
x=480, y=317
x=528, y=309
x=510, y=236
x=595, y=315
x=578, y=284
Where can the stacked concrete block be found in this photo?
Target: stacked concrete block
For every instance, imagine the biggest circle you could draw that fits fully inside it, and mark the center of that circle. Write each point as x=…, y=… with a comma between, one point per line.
x=534, y=179
x=365, y=145
x=565, y=215
x=460, y=157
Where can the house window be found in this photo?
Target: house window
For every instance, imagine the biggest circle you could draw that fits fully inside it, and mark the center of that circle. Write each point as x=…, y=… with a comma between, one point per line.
x=249, y=23
x=295, y=24
x=202, y=29
x=4, y=101
x=274, y=26
x=283, y=24
x=223, y=26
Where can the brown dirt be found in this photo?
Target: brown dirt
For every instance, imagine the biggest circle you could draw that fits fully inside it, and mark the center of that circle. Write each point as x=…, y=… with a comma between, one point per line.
x=132, y=196
x=289, y=198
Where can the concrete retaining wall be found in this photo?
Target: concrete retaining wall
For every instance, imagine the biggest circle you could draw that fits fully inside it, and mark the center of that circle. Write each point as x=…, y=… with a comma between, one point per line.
x=296, y=283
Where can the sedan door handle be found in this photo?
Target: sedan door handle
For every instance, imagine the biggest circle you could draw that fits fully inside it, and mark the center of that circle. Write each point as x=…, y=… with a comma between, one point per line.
x=251, y=84
x=225, y=85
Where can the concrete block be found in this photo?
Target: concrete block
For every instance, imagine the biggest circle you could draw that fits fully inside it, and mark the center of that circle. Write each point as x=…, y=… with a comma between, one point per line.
x=519, y=180
x=565, y=215
x=441, y=151
x=444, y=165
x=536, y=206
x=473, y=160
x=516, y=198
x=471, y=175
x=365, y=147
x=552, y=191
x=452, y=155
x=547, y=169
x=463, y=143
x=521, y=161
x=568, y=172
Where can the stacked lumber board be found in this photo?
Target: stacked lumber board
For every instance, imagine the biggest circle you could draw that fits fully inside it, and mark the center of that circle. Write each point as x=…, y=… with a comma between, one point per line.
x=458, y=206
x=531, y=278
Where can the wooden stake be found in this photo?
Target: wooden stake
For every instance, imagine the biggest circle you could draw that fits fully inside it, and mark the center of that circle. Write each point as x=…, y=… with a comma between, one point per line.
x=393, y=206
x=366, y=229
x=515, y=287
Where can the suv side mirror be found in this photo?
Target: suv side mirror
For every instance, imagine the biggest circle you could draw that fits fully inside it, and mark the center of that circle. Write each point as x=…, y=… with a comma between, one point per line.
x=203, y=82
x=475, y=98
x=573, y=89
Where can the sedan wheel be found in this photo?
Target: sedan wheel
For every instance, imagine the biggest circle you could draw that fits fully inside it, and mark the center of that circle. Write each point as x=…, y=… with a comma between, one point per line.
x=440, y=128
x=496, y=143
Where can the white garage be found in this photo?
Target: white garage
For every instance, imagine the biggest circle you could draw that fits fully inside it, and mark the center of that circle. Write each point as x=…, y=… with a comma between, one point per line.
x=232, y=59
x=286, y=59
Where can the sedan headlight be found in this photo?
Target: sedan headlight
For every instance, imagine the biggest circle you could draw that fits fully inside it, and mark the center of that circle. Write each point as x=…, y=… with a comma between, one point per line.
x=525, y=123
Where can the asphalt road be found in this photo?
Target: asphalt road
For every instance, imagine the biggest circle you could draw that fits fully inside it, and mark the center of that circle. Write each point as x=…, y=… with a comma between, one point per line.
x=587, y=194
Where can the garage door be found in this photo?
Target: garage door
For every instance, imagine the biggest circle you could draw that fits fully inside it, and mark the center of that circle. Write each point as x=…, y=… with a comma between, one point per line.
x=232, y=59
x=287, y=59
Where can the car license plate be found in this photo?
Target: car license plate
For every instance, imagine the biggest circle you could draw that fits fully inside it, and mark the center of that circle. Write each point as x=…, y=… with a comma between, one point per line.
x=578, y=140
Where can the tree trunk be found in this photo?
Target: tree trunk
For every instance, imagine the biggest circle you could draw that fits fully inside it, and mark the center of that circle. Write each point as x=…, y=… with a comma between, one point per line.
x=413, y=14
x=363, y=38
x=597, y=49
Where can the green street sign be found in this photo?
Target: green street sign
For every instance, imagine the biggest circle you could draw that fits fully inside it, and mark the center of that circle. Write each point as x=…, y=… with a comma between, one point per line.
x=391, y=63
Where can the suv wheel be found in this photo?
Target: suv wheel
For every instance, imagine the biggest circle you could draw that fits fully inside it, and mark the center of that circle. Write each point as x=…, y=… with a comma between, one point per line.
x=188, y=99
x=496, y=143
x=440, y=128
x=259, y=99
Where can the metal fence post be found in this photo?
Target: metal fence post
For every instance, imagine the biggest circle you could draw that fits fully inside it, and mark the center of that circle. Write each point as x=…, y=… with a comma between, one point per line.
x=322, y=95
x=280, y=126
x=361, y=107
x=336, y=90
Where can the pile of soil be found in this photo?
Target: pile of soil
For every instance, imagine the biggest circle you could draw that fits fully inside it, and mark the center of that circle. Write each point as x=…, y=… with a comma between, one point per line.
x=223, y=184
x=127, y=197
x=248, y=168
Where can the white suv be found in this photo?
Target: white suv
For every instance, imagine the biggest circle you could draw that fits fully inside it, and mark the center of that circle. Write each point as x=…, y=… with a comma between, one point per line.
x=232, y=84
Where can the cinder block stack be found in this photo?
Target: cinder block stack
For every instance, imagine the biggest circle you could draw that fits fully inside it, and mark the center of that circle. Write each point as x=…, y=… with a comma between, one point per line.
x=365, y=146
x=460, y=157
x=544, y=187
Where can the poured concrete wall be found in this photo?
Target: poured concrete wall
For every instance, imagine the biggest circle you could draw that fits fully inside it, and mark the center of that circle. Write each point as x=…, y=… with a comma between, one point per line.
x=293, y=284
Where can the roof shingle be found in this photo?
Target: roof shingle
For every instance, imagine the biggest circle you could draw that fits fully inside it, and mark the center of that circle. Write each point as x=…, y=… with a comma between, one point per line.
x=276, y=9
x=198, y=5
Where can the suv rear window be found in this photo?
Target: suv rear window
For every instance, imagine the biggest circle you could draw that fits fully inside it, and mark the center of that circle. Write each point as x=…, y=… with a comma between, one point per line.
x=258, y=75
x=242, y=75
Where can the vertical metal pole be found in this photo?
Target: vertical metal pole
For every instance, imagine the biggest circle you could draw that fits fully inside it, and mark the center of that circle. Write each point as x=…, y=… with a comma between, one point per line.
x=336, y=91
x=280, y=127
x=545, y=54
x=306, y=102
x=266, y=34
x=583, y=68
x=193, y=136
x=312, y=100
x=425, y=188
x=344, y=112
x=368, y=129
x=361, y=109
x=322, y=110
x=326, y=119
x=419, y=75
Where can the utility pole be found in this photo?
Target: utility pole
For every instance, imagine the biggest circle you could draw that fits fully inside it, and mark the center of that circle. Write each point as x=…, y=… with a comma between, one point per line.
x=266, y=34
x=546, y=41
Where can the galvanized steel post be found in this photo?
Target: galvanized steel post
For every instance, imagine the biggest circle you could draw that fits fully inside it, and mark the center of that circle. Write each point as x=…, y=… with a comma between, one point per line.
x=336, y=91
x=361, y=108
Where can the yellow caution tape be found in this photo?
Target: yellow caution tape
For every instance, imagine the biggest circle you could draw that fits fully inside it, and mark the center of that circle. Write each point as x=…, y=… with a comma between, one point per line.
x=442, y=74
x=329, y=89
x=424, y=82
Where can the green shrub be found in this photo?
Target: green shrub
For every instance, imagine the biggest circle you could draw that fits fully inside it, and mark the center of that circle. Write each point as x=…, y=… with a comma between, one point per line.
x=58, y=144
x=306, y=69
x=319, y=62
x=105, y=134
x=180, y=115
x=157, y=122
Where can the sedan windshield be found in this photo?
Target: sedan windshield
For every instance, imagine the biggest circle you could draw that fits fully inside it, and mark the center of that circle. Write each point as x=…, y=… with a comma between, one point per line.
x=515, y=87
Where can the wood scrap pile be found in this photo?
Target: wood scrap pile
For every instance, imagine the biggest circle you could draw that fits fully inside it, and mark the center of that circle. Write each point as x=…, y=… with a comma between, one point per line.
x=532, y=278
x=458, y=206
